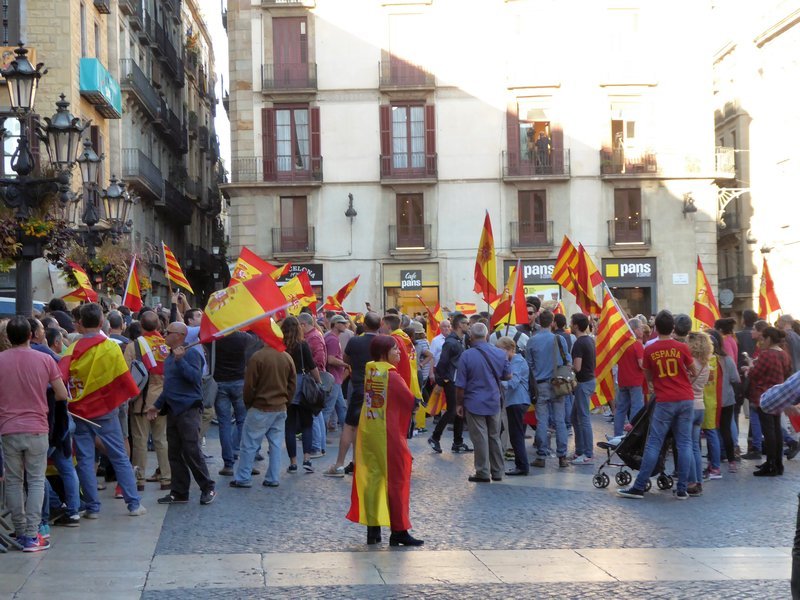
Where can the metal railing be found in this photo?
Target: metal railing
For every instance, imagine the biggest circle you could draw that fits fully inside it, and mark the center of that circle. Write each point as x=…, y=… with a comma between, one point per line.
x=135, y=81
x=202, y=138
x=139, y=169
x=621, y=162
x=410, y=237
x=641, y=163
x=629, y=233
x=192, y=187
x=279, y=3
x=129, y=7
x=531, y=234
x=428, y=170
x=174, y=205
x=300, y=76
x=397, y=73
x=741, y=285
x=549, y=163
x=146, y=33
x=286, y=240
x=253, y=169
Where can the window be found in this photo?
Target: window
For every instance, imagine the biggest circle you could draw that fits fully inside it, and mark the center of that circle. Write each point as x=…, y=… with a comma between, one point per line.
x=410, y=221
x=532, y=205
x=97, y=42
x=535, y=143
x=291, y=138
x=294, y=224
x=628, y=216
x=10, y=141
x=290, y=53
x=408, y=140
x=84, y=50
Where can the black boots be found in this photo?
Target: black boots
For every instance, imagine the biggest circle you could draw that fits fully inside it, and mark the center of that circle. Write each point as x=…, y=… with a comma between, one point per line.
x=373, y=535
x=403, y=538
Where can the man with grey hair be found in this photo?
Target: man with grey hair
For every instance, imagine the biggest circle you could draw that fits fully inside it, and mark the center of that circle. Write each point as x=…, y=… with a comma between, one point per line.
x=479, y=400
x=630, y=395
x=784, y=323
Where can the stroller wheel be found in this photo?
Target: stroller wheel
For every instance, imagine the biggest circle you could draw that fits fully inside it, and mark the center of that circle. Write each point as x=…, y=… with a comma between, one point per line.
x=600, y=481
x=664, y=482
x=648, y=485
x=622, y=478
x=606, y=480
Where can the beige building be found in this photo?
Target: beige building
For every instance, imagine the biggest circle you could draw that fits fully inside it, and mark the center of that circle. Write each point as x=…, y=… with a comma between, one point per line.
x=430, y=112
x=755, y=75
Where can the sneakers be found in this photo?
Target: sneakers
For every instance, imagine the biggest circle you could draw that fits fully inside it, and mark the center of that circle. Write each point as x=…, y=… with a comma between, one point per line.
x=44, y=531
x=316, y=454
x=91, y=515
x=461, y=448
x=682, y=495
x=226, y=471
x=348, y=470
x=563, y=463
x=72, y=521
x=173, y=499
x=270, y=483
x=118, y=492
x=582, y=460
x=35, y=544
x=138, y=511
x=208, y=496
x=752, y=455
x=334, y=471
x=292, y=469
x=732, y=468
x=712, y=474
x=694, y=489
x=539, y=462
x=437, y=447
x=307, y=466
x=631, y=492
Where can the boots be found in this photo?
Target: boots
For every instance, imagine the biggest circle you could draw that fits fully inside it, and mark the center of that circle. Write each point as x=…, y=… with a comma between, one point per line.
x=768, y=469
x=373, y=535
x=403, y=538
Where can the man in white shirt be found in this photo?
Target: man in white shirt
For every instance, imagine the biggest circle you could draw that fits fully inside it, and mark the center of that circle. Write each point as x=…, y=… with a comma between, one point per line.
x=438, y=341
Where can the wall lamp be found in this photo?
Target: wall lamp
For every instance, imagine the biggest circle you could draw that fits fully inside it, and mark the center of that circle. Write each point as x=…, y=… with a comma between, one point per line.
x=688, y=205
x=350, y=213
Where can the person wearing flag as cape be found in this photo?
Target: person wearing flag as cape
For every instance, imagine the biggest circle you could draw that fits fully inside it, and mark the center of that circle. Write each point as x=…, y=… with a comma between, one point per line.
x=99, y=381
x=382, y=476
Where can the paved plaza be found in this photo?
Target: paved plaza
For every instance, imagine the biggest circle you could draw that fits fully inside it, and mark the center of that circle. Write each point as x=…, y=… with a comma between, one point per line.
x=549, y=535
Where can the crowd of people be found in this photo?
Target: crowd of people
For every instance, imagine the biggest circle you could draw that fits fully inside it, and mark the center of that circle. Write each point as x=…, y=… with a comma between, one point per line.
x=142, y=382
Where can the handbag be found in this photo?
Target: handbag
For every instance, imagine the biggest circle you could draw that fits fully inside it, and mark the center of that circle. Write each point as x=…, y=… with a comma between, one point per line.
x=312, y=396
x=563, y=380
x=208, y=383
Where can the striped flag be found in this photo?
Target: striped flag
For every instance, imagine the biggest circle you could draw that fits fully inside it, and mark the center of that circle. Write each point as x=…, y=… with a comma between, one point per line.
x=335, y=302
x=566, y=266
x=298, y=292
x=485, y=264
x=467, y=308
x=584, y=283
x=249, y=265
x=133, y=294
x=511, y=308
x=174, y=271
x=435, y=317
x=85, y=292
x=560, y=309
x=767, y=298
x=705, y=310
x=613, y=338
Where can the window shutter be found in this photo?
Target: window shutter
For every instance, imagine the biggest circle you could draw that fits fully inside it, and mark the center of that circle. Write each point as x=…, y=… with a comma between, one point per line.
x=512, y=132
x=557, y=143
x=386, y=138
x=430, y=139
x=268, y=143
x=316, y=150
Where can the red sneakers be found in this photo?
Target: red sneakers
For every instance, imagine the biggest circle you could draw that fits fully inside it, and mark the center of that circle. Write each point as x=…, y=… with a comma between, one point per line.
x=36, y=544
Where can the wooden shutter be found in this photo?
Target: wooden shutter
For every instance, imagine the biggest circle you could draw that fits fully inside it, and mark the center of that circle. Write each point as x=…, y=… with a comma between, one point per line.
x=316, y=150
x=557, y=144
x=430, y=139
x=512, y=133
x=268, y=143
x=386, y=138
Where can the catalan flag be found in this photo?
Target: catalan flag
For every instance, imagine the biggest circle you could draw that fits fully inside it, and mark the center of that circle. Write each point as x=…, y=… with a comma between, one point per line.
x=584, y=286
x=335, y=302
x=511, y=308
x=96, y=376
x=705, y=310
x=174, y=271
x=133, y=295
x=85, y=292
x=486, y=264
x=298, y=293
x=566, y=266
x=613, y=338
x=249, y=265
x=767, y=298
x=467, y=308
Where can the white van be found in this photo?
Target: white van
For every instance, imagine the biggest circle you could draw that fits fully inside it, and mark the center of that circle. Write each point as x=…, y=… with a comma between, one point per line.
x=8, y=307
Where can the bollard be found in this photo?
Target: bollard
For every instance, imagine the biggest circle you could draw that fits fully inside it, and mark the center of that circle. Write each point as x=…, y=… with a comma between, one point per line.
x=796, y=556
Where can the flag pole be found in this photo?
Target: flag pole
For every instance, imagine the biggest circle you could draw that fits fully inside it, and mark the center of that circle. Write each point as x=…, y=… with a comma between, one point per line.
x=166, y=271
x=513, y=295
x=619, y=309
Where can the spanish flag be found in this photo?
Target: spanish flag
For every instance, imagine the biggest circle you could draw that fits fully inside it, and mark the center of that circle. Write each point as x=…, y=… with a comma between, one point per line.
x=174, y=271
x=566, y=266
x=705, y=310
x=133, y=295
x=85, y=292
x=511, y=308
x=335, y=302
x=485, y=264
x=96, y=376
x=613, y=338
x=269, y=332
x=560, y=309
x=767, y=298
x=435, y=317
x=467, y=308
x=249, y=265
x=298, y=292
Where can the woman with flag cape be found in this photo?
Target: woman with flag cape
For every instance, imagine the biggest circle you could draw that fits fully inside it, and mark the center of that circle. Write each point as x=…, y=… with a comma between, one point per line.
x=382, y=476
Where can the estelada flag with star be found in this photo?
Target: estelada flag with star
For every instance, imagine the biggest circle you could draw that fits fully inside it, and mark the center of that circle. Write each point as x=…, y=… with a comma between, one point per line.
x=173, y=270
x=486, y=264
x=705, y=310
x=133, y=294
x=298, y=292
x=767, y=298
x=335, y=302
x=250, y=265
x=85, y=292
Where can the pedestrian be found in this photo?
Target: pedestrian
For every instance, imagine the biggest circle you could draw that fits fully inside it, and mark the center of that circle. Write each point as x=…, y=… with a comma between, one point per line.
x=700, y=346
x=729, y=379
x=630, y=376
x=229, y=366
x=382, y=478
x=517, y=401
x=338, y=370
x=182, y=400
x=583, y=364
x=316, y=343
x=479, y=400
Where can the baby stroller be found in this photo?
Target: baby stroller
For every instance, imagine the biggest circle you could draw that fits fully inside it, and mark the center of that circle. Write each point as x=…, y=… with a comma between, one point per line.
x=629, y=450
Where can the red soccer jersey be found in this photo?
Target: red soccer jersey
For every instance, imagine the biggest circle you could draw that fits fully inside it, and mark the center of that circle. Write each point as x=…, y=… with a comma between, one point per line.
x=630, y=373
x=668, y=361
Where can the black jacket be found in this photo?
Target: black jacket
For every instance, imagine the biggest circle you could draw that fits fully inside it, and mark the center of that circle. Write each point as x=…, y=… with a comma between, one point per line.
x=448, y=360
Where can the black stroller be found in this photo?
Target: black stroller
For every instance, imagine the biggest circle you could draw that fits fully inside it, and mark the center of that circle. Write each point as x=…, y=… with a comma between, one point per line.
x=630, y=450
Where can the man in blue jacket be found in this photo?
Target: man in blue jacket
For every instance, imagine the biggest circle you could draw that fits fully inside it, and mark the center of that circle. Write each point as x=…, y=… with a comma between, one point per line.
x=182, y=399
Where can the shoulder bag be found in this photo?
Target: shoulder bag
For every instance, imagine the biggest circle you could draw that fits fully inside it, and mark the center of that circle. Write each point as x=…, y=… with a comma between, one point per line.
x=139, y=372
x=496, y=376
x=209, y=384
x=563, y=380
x=312, y=396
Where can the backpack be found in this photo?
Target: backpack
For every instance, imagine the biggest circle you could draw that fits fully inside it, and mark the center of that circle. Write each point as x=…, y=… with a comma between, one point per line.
x=517, y=336
x=141, y=376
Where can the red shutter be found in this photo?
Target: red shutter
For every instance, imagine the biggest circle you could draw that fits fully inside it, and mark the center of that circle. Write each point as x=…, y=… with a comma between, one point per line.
x=512, y=132
x=557, y=143
x=430, y=139
x=386, y=138
x=268, y=143
x=316, y=147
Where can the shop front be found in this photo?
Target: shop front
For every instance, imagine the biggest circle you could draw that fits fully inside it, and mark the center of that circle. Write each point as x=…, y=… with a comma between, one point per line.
x=405, y=284
x=314, y=276
x=537, y=279
x=633, y=282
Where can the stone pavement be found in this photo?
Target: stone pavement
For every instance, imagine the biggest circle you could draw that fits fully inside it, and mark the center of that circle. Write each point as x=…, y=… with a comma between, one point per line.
x=548, y=535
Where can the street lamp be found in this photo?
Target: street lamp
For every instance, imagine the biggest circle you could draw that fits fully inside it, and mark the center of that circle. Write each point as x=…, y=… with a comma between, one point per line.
x=63, y=136
x=22, y=79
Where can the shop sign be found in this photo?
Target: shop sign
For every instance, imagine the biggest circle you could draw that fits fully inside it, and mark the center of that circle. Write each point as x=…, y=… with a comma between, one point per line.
x=314, y=273
x=534, y=272
x=411, y=279
x=630, y=270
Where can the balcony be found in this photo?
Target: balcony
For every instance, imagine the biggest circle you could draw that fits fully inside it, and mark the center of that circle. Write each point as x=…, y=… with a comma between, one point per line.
x=292, y=241
x=731, y=223
x=394, y=169
x=159, y=35
x=288, y=3
x=630, y=234
x=301, y=77
x=225, y=18
x=550, y=165
x=649, y=164
x=147, y=31
x=198, y=259
x=740, y=285
x=281, y=170
x=100, y=88
x=194, y=123
x=192, y=187
x=129, y=7
x=136, y=83
x=527, y=235
x=141, y=173
x=622, y=162
x=725, y=162
x=409, y=239
x=169, y=55
x=103, y=6
x=202, y=138
x=174, y=206
x=397, y=74
x=173, y=9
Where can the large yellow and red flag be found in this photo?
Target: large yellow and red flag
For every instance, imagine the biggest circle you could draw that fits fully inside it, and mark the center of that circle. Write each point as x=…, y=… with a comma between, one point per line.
x=767, y=298
x=613, y=338
x=249, y=265
x=85, y=292
x=511, y=308
x=173, y=270
x=133, y=294
x=298, y=292
x=705, y=310
x=566, y=266
x=241, y=306
x=335, y=302
x=585, y=277
x=435, y=318
x=486, y=264
x=97, y=377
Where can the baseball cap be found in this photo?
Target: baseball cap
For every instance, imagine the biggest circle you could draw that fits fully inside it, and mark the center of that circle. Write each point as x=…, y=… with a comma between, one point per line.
x=338, y=319
x=683, y=325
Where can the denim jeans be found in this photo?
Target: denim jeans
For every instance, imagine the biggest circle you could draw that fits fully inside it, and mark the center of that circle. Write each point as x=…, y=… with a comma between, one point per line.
x=230, y=403
x=258, y=424
x=335, y=401
x=319, y=432
x=569, y=401
x=696, y=467
x=713, y=445
x=69, y=477
x=110, y=433
x=581, y=423
x=630, y=400
x=676, y=416
x=545, y=403
x=755, y=428
x=25, y=459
